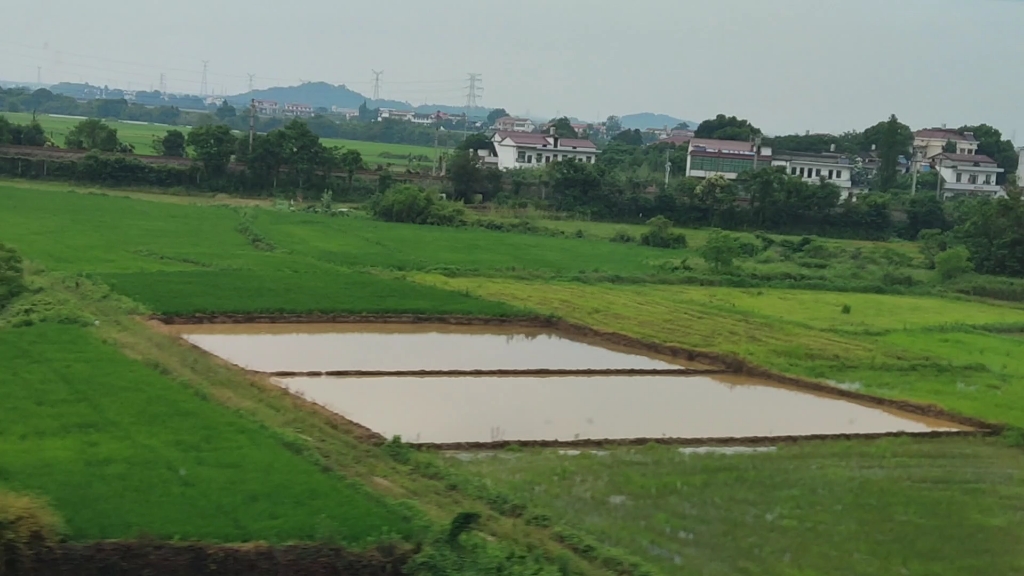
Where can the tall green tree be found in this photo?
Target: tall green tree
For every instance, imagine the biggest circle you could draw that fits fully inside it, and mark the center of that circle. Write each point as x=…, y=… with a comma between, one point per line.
x=495, y=115
x=992, y=144
x=225, y=111
x=213, y=146
x=889, y=150
x=613, y=125
x=351, y=160
x=949, y=147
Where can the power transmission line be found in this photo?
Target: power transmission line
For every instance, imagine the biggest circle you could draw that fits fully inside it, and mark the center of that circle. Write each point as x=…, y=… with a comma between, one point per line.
x=202, y=85
x=376, y=84
x=163, y=83
x=474, y=90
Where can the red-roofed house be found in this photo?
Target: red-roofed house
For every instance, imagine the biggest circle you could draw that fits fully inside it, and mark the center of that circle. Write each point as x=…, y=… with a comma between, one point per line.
x=522, y=150
x=930, y=142
x=973, y=174
x=513, y=124
x=728, y=158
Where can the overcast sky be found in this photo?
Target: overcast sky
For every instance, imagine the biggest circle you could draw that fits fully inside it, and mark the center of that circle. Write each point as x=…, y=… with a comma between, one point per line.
x=787, y=65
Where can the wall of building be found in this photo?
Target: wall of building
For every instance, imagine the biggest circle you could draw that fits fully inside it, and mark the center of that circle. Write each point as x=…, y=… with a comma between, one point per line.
x=812, y=172
x=932, y=146
x=511, y=156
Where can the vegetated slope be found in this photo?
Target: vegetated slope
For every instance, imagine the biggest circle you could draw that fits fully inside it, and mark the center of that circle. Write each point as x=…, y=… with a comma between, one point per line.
x=912, y=348
x=122, y=451
x=943, y=508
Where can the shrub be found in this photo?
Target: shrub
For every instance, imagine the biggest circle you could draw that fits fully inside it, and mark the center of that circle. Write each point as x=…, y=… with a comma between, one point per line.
x=412, y=205
x=622, y=236
x=25, y=523
x=720, y=249
x=661, y=235
x=12, y=274
x=953, y=263
x=846, y=309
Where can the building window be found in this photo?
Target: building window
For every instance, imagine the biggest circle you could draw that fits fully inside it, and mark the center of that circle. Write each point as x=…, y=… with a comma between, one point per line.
x=590, y=159
x=522, y=157
x=547, y=159
x=539, y=156
x=839, y=174
x=792, y=171
x=529, y=159
x=988, y=179
x=959, y=177
x=972, y=179
x=801, y=172
x=831, y=173
x=817, y=172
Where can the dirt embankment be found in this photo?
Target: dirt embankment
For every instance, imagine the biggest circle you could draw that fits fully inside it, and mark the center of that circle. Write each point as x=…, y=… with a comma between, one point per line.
x=534, y=372
x=167, y=559
x=722, y=363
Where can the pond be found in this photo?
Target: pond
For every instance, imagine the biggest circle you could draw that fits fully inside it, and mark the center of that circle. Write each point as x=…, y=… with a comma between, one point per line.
x=409, y=347
x=563, y=408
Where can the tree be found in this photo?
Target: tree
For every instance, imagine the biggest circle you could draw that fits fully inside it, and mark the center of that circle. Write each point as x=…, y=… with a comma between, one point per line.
x=475, y=141
x=30, y=134
x=366, y=114
x=225, y=111
x=495, y=115
x=213, y=146
x=993, y=232
x=171, y=144
x=932, y=242
x=720, y=249
x=92, y=134
x=874, y=135
x=724, y=127
x=991, y=144
x=613, y=125
x=629, y=138
x=681, y=126
x=949, y=147
x=661, y=235
x=351, y=160
x=563, y=128
x=889, y=150
x=466, y=175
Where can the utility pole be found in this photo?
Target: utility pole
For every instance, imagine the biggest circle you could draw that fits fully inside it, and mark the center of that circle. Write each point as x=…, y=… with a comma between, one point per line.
x=916, y=166
x=376, y=84
x=202, y=85
x=668, y=167
x=163, y=83
x=251, y=76
x=252, y=122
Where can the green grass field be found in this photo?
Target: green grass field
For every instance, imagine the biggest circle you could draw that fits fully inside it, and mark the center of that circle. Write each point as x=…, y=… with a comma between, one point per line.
x=141, y=137
x=949, y=507
x=249, y=291
x=115, y=398
x=122, y=451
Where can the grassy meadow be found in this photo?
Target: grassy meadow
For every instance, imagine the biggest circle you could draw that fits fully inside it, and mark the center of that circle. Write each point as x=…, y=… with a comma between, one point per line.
x=141, y=135
x=121, y=450
x=101, y=414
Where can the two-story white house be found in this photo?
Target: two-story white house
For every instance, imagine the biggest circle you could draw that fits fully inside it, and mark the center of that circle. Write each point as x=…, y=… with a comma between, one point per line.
x=810, y=167
x=968, y=174
x=523, y=150
x=931, y=142
x=728, y=158
x=513, y=124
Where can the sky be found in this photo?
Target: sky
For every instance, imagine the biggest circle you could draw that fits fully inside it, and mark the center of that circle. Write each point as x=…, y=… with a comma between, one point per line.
x=787, y=65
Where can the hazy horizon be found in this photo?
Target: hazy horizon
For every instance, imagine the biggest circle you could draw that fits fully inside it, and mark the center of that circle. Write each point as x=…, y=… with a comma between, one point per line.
x=788, y=65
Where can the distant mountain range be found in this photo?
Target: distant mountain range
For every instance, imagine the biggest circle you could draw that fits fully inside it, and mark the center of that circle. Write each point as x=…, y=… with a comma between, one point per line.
x=646, y=120
x=324, y=95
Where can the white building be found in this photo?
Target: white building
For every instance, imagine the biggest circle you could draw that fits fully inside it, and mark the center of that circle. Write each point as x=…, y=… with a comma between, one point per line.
x=728, y=158
x=833, y=167
x=267, y=107
x=968, y=174
x=513, y=124
x=391, y=113
x=522, y=150
x=931, y=142
x=298, y=110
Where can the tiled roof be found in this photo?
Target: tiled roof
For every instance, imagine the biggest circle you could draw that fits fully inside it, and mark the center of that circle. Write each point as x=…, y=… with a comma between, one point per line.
x=944, y=134
x=575, y=143
x=967, y=158
x=528, y=139
x=722, y=145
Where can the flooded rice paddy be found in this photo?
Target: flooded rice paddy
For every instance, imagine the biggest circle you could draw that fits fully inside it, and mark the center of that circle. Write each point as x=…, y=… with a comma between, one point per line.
x=488, y=409
x=445, y=408
x=387, y=347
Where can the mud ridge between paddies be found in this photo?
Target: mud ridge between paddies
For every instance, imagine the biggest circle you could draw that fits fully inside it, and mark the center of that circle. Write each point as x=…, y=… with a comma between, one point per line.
x=723, y=363
x=511, y=373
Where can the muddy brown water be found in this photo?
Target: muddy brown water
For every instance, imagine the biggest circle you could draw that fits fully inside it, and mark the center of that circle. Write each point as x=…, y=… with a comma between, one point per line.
x=488, y=409
x=387, y=347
